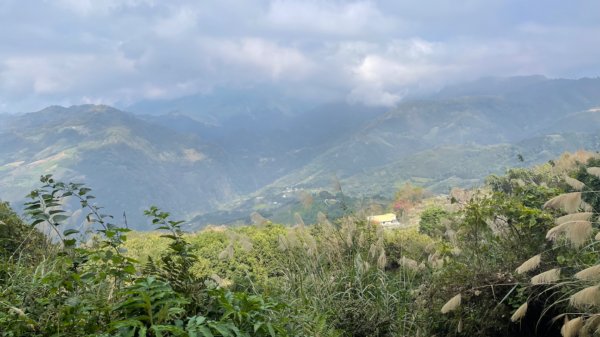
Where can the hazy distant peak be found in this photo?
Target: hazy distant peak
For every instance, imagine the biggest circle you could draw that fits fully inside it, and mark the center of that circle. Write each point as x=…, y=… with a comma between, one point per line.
x=490, y=85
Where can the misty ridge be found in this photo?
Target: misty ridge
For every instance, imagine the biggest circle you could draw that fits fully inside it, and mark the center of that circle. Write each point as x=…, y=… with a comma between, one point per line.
x=216, y=161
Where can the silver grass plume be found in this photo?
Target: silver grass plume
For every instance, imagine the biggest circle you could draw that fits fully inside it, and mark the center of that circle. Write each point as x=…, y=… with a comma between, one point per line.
x=569, y=202
x=519, y=313
x=258, y=219
x=591, y=326
x=571, y=328
x=574, y=183
x=361, y=239
x=298, y=220
x=530, y=264
x=408, y=263
x=577, y=232
x=245, y=243
x=311, y=244
x=221, y=282
x=292, y=239
x=589, y=274
x=582, y=216
x=550, y=276
x=373, y=250
x=227, y=253
x=587, y=297
x=323, y=221
x=452, y=304
x=282, y=243
x=595, y=171
x=382, y=260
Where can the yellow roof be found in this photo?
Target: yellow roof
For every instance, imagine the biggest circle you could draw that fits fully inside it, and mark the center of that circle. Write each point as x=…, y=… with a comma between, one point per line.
x=383, y=217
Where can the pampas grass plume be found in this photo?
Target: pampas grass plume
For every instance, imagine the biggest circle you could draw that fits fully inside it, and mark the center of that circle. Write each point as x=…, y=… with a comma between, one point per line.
x=571, y=328
x=550, y=276
x=574, y=183
x=595, y=171
x=452, y=304
x=569, y=202
x=382, y=260
x=409, y=263
x=520, y=313
x=577, y=232
x=587, y=297
x=530, y=264
x=589, y=274
x=590, y=327
x=582, y=216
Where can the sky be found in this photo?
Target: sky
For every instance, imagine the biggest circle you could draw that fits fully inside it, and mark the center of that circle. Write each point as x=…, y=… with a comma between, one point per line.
x=120, y=52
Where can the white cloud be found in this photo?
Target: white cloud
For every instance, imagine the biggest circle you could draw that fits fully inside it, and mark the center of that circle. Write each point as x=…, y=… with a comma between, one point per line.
x=178, y=24
x=266, y=57
x=328, y=17
x=95, y=7
x=369, y=51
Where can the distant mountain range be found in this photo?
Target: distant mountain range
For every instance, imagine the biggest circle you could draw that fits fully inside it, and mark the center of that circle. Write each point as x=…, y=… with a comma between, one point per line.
x=204, y=157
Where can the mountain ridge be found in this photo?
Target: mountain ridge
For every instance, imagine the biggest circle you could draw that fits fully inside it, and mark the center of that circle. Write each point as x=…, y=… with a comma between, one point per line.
x=192, y=167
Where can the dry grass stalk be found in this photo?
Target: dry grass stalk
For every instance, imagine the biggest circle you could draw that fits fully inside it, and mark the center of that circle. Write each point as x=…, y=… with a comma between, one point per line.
x=571, y=328
x=550, y=276
x=589, y=274
x=574, y=183
x=587, y=297
x=569, y=202
x=520, y=313
x=530, y=264
x=452, y=304
x=595, y=171
x=581, y=216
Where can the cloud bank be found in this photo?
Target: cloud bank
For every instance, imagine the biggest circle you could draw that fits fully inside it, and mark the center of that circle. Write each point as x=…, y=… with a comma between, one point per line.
x=373, y=52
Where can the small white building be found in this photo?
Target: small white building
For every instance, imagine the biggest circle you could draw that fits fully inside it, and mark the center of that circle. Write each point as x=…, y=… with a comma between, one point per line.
x=386, y=220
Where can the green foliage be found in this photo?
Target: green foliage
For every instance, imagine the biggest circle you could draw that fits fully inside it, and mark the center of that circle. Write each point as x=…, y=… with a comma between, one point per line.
x=149, y=307
x=347, y=278
x=431, y=221
x=16, y=238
